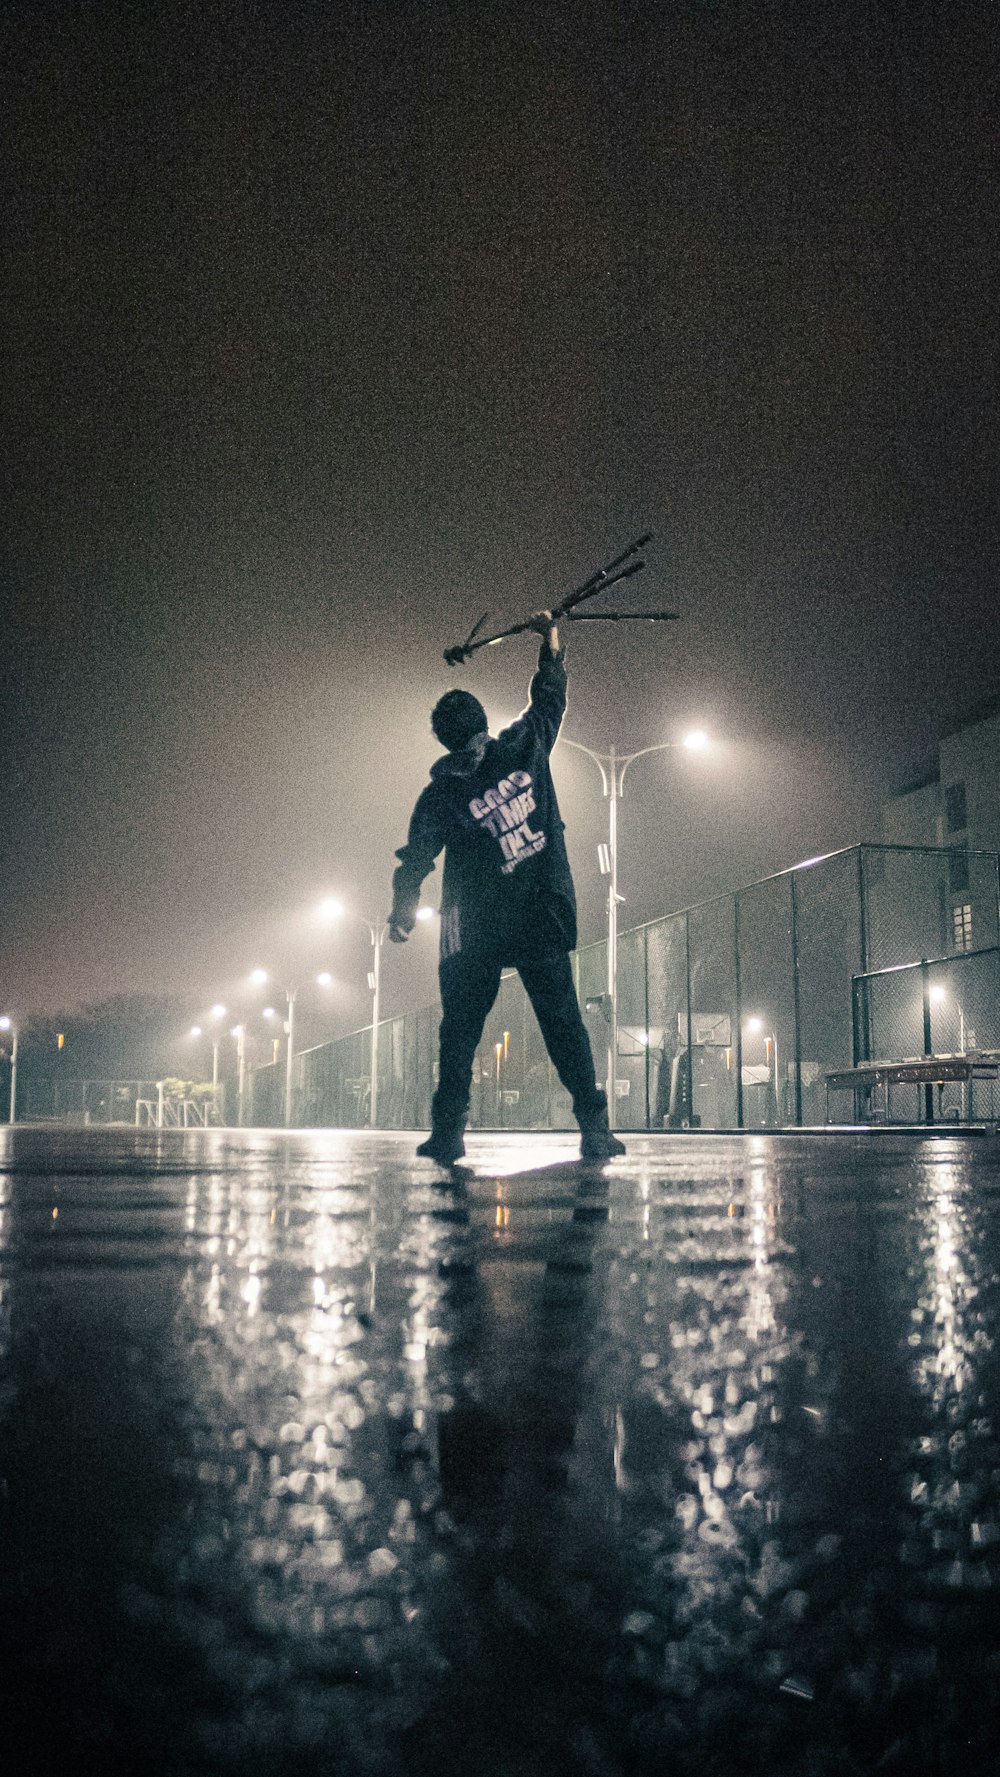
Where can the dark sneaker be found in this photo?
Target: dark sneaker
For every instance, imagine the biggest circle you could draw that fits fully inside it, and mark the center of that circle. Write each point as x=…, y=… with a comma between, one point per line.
x=444, y=1146
x=599, y=1144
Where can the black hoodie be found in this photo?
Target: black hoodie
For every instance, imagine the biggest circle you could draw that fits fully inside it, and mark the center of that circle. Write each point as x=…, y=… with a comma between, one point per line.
x=492, y=805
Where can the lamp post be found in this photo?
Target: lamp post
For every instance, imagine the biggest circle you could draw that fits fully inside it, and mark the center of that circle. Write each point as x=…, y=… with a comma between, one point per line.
x=755, y=1027
x=239, y=1032
x=940, y=996
x=197, y=1031
x=334, y=909
x=5, y=1025
x=260, y=977
x=612, y=767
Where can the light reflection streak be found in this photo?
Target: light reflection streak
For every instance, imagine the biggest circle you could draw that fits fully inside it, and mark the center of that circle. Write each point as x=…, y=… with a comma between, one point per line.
x=320, y=1530
x=956, y=1530
x=710, y=1346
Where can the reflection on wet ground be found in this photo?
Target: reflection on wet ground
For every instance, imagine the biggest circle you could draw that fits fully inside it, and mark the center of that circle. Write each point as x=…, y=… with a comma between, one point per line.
x=315, y=1461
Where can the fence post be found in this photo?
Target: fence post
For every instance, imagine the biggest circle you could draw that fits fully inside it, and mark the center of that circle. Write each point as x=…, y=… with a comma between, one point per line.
x=856, y=981
x=645, y=1014
x=739, y=1012
x=862, y=912
x=925, y=993
x=796, y=999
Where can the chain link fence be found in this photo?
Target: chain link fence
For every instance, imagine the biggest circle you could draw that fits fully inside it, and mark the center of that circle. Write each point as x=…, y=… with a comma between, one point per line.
x=946, y=1007
x=730, y=1014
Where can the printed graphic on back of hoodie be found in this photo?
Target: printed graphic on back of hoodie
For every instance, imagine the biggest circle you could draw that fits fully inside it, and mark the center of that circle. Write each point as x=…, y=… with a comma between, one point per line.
x=503, y=811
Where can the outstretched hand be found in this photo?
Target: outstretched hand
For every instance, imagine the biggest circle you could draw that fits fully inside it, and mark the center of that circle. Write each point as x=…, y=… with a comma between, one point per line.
x=542, y=621
x=398, y=934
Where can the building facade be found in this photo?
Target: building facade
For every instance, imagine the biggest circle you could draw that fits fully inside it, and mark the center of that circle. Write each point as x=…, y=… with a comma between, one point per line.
x=956, y=805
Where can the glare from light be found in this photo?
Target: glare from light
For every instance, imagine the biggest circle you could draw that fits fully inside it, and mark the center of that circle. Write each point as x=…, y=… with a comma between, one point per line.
x=258, y=977
x=938, y=993
x=426, y=912
x=331, y=908
x=195, y=1031
x=269, y=1012
x=697, y=741
x=218, y=1011
x=237, y=1031
x=755, y=1025
x=325, y=979
x=4, y=1022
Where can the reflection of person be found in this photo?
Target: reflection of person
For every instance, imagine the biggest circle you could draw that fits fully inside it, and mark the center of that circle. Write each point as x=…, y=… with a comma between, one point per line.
x=507, y=898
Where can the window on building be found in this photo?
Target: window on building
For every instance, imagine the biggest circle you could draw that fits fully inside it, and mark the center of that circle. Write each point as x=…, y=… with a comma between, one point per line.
x=955, y=812
x=961, y=918
x=958, y=870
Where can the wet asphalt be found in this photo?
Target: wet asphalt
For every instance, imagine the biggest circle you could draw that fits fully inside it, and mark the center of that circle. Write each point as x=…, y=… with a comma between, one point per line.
x=317, y=1460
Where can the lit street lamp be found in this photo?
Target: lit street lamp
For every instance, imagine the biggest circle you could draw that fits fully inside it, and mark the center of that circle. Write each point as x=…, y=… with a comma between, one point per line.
x=260, y=977
x=755, y=1027
x=331, y=908
x=612, y=767
x=5, y=1025
x=941, y=996
x=196, y=1030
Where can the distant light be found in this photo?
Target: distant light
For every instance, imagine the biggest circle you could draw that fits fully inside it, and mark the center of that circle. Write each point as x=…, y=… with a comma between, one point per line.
x=269, y=1012
x=4, y=1023
x=325, y=979
x=331, y=908
x=237, y=1030
x=426, y=912
x=697, y=741
x=218, y=1011
x=754, y=1025
x=195, y=1031
x=258, y=977
x=938, y=993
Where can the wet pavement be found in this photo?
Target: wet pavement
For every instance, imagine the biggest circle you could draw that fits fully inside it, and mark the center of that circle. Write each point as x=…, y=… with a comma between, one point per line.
x=315, y=1461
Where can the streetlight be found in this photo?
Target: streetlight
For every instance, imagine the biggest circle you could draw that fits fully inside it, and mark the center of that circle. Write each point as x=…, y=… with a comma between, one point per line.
x=612, y=767
x=940, y=996
x=217, y=1012
x=259, y=978
x=755, y=1027
x=330, y=909
x=5, y=1025
x=239, y=1032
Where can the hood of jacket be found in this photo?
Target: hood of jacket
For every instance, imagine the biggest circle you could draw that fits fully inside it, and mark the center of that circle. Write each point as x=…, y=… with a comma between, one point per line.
x=464, y=760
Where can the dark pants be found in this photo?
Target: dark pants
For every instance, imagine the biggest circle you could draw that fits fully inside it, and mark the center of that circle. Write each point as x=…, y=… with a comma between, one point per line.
x=470, y=982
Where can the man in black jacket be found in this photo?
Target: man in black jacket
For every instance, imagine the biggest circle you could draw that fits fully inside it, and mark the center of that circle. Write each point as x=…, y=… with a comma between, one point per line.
x=507, y=898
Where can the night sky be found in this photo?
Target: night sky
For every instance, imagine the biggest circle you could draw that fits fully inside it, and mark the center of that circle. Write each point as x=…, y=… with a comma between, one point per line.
x=324, y=328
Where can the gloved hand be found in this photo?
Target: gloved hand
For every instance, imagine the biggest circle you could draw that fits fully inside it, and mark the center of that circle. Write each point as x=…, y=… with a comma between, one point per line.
x=399, y=927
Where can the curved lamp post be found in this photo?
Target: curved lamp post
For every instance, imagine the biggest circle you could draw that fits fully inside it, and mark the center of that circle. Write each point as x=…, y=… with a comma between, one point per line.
x=612, y=767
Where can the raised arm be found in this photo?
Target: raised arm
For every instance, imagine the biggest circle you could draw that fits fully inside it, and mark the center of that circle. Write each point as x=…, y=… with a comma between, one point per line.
x=548, y=687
